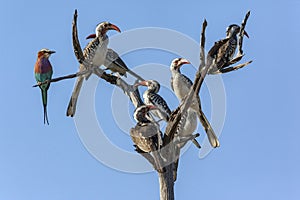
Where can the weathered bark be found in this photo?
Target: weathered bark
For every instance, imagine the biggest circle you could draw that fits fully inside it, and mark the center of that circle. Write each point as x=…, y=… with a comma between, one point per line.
x=166, y=184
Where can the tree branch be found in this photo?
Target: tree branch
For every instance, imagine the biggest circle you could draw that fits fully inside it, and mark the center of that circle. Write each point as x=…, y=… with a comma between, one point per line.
x=242, y=31
x=166, y=184
x=202, y=45
x=76, y=45
x=62, y=78
x=230, y=69
x=130, y=90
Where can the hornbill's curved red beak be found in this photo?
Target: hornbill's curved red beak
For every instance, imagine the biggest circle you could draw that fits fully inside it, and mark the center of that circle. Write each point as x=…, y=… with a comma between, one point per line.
x=184, y=61
x=114, y=27
x=110, y=27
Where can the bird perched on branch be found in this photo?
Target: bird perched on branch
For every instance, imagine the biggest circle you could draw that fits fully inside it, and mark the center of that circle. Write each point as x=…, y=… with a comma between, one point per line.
x=114, y=63
x=181, y=86
x=152, y=98
x=94, y=54
x=43, y=72
x=146, y=133
x=226, y=52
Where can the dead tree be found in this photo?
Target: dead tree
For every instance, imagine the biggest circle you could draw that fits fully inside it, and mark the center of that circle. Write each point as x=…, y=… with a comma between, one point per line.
x=166, y=177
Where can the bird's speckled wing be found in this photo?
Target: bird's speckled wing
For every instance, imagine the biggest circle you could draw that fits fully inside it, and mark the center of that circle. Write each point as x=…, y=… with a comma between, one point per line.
x=187, y=80
x=159, y=102
x=225, y=53
x=145, y=136
x=90, y=50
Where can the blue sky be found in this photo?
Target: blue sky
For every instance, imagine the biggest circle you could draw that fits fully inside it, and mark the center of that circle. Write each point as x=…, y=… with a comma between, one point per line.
x=259, y=153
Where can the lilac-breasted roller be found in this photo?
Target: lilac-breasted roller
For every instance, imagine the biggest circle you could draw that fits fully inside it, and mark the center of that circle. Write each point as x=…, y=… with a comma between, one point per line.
x=43, y=72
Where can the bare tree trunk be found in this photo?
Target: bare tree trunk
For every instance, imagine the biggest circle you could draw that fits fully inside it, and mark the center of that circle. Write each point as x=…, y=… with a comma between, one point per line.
x=166, y=183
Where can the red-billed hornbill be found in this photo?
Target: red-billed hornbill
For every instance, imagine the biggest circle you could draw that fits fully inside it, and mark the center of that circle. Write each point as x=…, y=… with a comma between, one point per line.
x=114, y=63
x=94, y=54
x=152, y=98
x=146, y=133
x=227, y=51
x=181, y=86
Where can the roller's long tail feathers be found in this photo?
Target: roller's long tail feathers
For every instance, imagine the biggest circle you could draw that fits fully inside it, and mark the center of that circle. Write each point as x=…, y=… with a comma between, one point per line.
x=44, y=98
x=73, y=101
x=45, y=115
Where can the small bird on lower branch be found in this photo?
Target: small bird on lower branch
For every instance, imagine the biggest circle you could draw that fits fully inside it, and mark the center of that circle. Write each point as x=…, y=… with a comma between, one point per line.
x=145, y=134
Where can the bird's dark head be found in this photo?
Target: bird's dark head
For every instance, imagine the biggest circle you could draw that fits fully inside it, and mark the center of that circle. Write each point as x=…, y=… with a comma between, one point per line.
x=178, y=62
x=152, y=85
x=45, y=53
x=141, y=112
x=233, y=30
x=102, y=28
